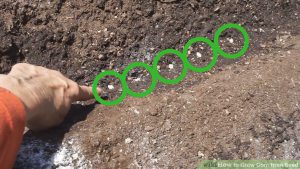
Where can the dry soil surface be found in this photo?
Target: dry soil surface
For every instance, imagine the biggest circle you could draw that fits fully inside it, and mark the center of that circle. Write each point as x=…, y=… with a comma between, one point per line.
x=249, y=110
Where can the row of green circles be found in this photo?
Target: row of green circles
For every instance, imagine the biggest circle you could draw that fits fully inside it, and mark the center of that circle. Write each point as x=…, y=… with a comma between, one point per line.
x=183, y=57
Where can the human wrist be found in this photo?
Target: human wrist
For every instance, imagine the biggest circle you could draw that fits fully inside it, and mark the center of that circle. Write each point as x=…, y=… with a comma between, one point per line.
x=12, y=85
x=14, y=105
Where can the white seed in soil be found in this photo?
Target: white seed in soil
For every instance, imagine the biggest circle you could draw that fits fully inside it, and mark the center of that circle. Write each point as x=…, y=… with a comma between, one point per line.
x=137, y=79
x=171, y=66
x=230, y=40
x=198, y=55
x=110, y=87
x=261, y=30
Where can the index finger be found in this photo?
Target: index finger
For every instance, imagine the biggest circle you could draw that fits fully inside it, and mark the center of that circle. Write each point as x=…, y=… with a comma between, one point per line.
x=85, y=93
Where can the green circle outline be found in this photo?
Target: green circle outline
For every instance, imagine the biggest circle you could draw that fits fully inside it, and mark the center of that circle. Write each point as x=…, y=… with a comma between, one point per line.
x=183, y=72
x=183, y=57
x=95, y=84
x=153, y=79
x=245, y=36
x=209, y=43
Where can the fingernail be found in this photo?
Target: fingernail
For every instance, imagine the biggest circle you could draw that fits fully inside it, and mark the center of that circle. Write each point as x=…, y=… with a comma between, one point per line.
x=98, y=90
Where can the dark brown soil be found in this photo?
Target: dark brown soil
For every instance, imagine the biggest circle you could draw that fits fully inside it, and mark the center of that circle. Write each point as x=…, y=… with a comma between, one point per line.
x=82, y=38
x=244, y=110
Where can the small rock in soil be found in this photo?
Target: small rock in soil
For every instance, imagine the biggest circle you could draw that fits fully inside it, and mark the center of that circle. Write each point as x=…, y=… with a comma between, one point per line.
x=128, y=140
x=149, y=128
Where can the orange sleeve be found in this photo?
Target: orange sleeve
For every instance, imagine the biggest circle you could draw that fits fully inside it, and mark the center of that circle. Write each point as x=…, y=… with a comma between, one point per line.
x=12, y=122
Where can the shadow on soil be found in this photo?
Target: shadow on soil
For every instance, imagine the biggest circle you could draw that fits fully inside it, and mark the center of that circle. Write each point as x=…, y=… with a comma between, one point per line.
x=38, y=148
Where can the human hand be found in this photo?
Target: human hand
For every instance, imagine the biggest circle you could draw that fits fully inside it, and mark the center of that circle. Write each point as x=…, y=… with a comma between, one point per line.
x=46, y=94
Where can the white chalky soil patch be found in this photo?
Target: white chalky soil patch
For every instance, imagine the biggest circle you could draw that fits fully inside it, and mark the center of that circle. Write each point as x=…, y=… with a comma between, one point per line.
x=35, y=153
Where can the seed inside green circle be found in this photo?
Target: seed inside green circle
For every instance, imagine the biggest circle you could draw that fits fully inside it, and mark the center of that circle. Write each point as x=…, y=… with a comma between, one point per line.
x=95, y=84
x=245, y=36
x=184, y=68
x=209, y=43
x=216, y=49
x=153, y=79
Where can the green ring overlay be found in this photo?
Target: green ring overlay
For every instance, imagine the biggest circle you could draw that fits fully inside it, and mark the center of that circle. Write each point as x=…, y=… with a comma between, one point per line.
x=153, y=79
x=95, y=84
x=245, y=36
x=184, y=69
x=209, y=43
x=155, y=76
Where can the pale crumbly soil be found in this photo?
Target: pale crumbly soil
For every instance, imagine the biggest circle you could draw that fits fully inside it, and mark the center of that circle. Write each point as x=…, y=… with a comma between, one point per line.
x=250, y=110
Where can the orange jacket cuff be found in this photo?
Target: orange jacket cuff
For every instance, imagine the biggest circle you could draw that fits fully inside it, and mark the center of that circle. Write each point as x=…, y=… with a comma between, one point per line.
x=12, y=123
